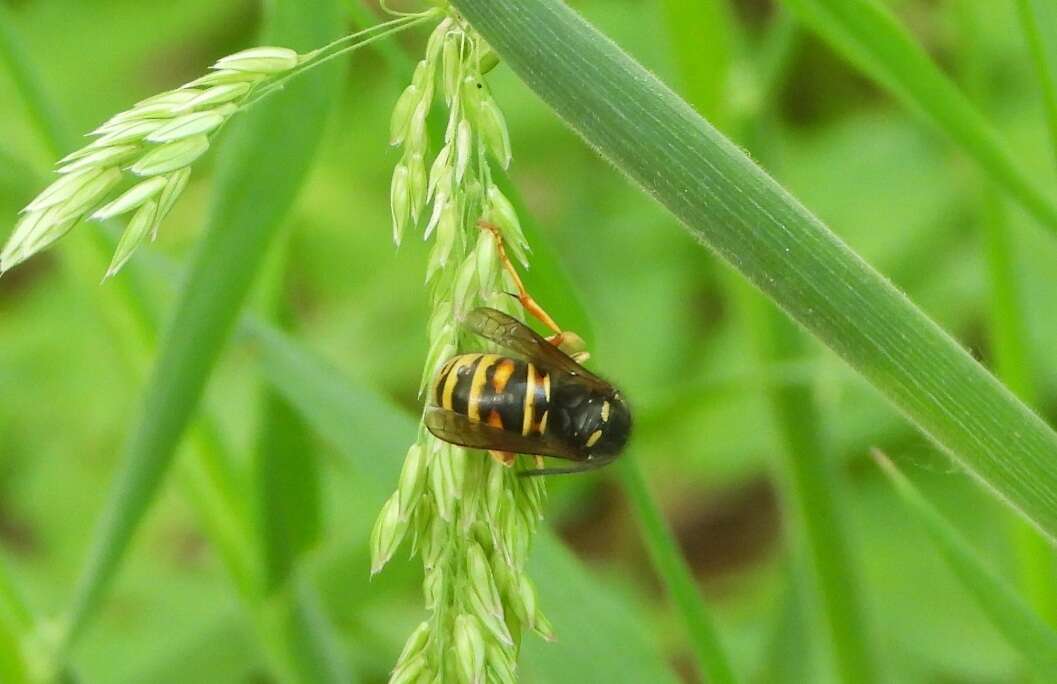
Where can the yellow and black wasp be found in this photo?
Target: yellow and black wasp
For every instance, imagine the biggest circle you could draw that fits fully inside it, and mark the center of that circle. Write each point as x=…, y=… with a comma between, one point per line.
x=539, y=401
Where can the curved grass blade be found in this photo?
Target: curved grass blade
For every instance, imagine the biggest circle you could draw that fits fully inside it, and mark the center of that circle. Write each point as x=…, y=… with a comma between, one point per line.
x=1024, y=631
x=872, y=39
x=1039, y=20
x=668, y=560
x=363, y=427
x=728, y=202
x=256, y=185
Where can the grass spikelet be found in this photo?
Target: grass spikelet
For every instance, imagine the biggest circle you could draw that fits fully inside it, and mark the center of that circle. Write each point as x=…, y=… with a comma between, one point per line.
x=473, y=519
x=150, y=148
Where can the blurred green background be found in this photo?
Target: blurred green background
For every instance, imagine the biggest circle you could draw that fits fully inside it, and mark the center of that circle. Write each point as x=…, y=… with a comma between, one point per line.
x=662, y=324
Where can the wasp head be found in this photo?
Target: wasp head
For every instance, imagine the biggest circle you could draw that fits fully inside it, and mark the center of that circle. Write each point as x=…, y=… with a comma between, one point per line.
x=598, y=424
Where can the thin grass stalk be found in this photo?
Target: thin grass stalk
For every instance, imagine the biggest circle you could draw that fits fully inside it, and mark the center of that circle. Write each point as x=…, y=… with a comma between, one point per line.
x=812, y=495
x=728, y=202
x=397, y=60
x=1010, y=338
x=1033, y=639
x=788, y=654
x=1038, y=19
x=712, y=661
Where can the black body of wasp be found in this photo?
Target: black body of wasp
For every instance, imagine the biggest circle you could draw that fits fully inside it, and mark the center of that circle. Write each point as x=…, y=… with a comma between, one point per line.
x=539, y=402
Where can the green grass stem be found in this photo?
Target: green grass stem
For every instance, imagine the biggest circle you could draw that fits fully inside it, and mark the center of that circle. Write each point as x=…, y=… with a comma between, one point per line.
x=671, y=567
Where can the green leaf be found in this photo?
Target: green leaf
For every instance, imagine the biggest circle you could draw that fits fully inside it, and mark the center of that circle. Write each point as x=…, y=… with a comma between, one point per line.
x=370, y=432
x=682, y=589
x=1024, y=631
x=1039, y=19
x=731, y=205
x=868, y=35
x=258, y=180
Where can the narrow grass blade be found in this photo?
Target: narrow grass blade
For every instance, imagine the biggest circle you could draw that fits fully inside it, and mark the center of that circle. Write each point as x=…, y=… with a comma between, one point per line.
x=1024, y=631
x=812, y=493
x=728, y=202
x=364, y=427
x=256, y=186
x=867, y=34
x=1010, y=340
x=788, y=658
x=712, y=660
x=1039, y=20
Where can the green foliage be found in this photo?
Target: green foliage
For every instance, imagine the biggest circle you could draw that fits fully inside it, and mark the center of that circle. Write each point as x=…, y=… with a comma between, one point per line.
x=255, y=565
x=873, y=39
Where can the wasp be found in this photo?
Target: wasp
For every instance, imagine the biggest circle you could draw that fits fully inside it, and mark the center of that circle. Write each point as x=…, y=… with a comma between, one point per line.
x=538, y=400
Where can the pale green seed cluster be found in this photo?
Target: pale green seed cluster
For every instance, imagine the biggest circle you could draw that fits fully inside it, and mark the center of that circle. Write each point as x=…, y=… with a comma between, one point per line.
x=471, y=519
x=140, y=160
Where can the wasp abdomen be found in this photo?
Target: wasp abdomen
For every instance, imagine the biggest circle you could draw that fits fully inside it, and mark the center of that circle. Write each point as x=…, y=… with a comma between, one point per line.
x=507, y=393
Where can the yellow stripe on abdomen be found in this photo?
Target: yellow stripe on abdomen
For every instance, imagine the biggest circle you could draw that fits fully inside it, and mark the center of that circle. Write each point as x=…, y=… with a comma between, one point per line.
x=527, y=408
x=473, y=399
x=453, y=377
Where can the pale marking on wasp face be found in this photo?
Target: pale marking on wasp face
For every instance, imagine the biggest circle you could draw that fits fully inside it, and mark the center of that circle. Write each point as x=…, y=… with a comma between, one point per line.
x=593, y=439
x=605, y=411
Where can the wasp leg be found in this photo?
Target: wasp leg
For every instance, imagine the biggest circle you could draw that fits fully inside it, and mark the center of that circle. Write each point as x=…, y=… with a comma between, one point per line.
x=503, y=458
x=522, y=295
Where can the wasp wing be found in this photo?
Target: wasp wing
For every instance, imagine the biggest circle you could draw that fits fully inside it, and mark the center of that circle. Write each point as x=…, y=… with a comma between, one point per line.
x=511, y=333
x=458, y=429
